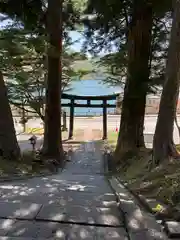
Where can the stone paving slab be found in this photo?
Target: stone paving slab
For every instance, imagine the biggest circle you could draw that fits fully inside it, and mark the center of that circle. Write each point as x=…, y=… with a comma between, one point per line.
x=66, y=195
x=83, y=179
x=77, y=204
x=86, y=199
x=81, y=176
x=79, y=214
x=78, y=232
x=33, y=229
x=83, y=185
x=17, y=238
x=6, y=225
x=87, y=160
x=141, y=235
x=172, y=228
x=96, y=187
x=19, y=210
x=56, y=192
x=61, y=214
x=68, y=198
x=109, y=216
x=23, y=230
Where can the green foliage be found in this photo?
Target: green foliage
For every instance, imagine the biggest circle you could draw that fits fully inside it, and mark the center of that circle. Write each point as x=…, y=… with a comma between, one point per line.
x=108, y=30
x=116, y=63
x=79, y=5
x=110, y=21
x=28, y=12
x=115, y=67
x=107, y=27
x=24, y=63
x=32, y=14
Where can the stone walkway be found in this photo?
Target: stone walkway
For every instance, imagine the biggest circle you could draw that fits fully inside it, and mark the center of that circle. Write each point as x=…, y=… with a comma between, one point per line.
x=75, y=204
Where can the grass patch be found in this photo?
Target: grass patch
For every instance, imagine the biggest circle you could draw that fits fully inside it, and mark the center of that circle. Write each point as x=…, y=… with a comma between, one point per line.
x=161, y=183
x=65, y=135
x=38, y=131
x=178, y=147
x=112, y=138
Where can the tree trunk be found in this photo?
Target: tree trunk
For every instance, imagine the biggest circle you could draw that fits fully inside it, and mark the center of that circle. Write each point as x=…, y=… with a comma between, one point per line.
x=8, y=142
x=131, y=137
x=23, y=117
x=52, y=146
x=163, y=145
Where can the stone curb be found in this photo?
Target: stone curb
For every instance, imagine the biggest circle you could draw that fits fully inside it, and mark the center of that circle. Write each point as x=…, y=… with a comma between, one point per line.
x=139, y=198
x=140, y=224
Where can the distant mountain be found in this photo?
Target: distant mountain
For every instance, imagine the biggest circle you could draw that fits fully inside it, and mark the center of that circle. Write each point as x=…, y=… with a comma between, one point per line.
x=83, y=64
x=96, y=72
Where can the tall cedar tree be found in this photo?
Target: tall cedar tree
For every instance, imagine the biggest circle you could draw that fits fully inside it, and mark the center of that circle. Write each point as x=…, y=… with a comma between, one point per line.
x=52, y=147
x=163, y=145
x=9, y=148
x=133, y=107
x=116, y=23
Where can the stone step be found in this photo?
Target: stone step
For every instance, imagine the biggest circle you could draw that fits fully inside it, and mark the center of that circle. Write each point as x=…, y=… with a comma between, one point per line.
x=173, y=229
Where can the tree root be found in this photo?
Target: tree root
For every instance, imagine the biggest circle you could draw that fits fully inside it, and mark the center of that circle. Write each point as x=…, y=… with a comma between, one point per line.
x=166, y=152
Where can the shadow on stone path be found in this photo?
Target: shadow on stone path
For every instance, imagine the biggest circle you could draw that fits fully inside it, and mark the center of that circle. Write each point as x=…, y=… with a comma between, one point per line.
x=75, y=204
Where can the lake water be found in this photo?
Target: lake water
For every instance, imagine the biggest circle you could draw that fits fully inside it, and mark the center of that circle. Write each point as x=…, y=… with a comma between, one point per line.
x=94, y=88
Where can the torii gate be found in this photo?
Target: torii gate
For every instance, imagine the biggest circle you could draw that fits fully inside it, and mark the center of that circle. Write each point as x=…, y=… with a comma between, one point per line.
x=104, y=105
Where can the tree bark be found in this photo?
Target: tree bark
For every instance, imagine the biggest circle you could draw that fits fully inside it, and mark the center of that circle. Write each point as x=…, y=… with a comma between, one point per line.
x=163, y=145
x=52, y=146
x=23, y=117
x=131, y=136
x=8, y=142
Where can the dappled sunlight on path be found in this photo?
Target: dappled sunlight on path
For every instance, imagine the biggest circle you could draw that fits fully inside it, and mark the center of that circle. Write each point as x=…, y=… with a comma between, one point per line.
x=77, y=203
